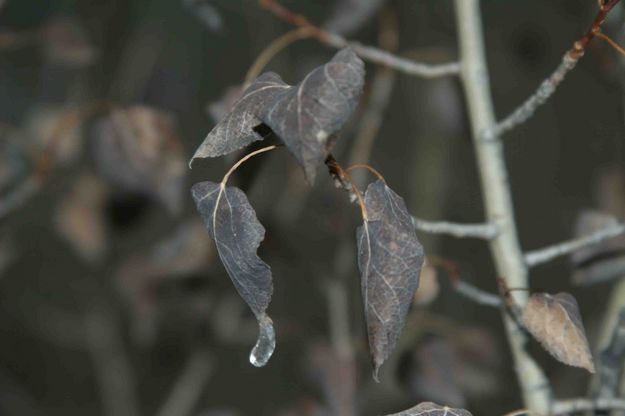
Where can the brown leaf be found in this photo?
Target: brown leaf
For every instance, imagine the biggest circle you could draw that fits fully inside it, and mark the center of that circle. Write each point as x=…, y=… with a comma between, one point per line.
x=389, y=258
x=80, y=217
x=138, y=148
x=556, y=323
x=305, y=116
x=432, y=409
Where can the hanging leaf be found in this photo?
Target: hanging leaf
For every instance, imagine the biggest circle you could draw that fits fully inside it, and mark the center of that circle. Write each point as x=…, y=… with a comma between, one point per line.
x=556, y=323
x=232, y=223
x=349, y=15
x=432, y=409
x=138, y=149
x=306, y=116
x=390, y=259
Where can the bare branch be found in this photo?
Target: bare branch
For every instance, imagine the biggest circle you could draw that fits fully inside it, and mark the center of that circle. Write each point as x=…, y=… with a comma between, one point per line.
x=546, y=254
x=368, y=53
x=610, y=369
x=497, y=198
x=549, y=85
x=538, y=98
x=568, y=406
x=477, y=295
x=485, y=231
x=188, y=389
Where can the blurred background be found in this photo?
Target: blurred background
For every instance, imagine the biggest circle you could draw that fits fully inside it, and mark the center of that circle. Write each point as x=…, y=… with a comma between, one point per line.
x=113, y=300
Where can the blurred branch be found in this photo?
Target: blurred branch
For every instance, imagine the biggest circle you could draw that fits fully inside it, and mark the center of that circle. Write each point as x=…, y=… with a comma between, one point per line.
x=497, y=197
x=546, y=254
x=485, y=231
x=188, y=388
x=477, y=295
x=568, y=406
x=610, y=370
x=112, y=365
x=549, y=85
x=369, y=53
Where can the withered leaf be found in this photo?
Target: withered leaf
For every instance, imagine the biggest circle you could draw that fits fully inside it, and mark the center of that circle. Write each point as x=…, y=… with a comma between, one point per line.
x=138, y=148
x=556, y=323
x=232, y=223
x=236, y=130
x=432, y=409
x=389, y=258
x=305, y=116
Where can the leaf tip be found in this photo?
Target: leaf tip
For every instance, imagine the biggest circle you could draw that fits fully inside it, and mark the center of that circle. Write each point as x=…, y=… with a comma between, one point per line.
x=266, y=343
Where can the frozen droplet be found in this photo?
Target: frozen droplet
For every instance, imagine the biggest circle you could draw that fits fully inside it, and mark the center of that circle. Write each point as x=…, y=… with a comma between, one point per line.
x=266, y=343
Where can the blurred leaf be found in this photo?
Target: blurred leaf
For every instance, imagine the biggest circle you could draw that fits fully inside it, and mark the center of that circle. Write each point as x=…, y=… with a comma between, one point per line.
x=206, y=13
x=41, y=126
x=65, y=43
x=350, y=15
x=185, y=251
x=390, y=259
x=232, y=223
x=428, y=285
x=432, y=409
x=556, y=323
x=305, y=116
x=138, y=149
x=80, y=217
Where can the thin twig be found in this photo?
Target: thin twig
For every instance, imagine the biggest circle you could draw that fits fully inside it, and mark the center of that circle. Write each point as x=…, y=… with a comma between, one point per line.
x=369, y=53
x=549, y=85
x=546, y=254
x=568, y=406
x=187, y=390
x=491, y=164
x=485, y=231
x=477, y=295
x=271, y=50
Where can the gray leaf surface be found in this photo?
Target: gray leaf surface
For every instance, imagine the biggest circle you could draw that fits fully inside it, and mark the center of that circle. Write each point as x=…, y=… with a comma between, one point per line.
x=307, y=116
x=389, y=258
x=236, y=130
x=432, y=409
x=232, y=223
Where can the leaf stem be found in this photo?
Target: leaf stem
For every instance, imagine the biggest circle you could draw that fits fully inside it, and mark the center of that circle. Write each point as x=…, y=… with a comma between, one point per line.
x=342, y=176
x=246, y=158
x=367, y=167
x=272, y=49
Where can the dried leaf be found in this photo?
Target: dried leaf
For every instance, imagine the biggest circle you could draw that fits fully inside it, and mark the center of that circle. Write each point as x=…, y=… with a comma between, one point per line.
x=138, y=149
x=232, y=223
x=556, y=323
x=79, y=217
x=349, y=15
x=66, y=43
x=432, y=409
x=390, y=259
x=305, y=116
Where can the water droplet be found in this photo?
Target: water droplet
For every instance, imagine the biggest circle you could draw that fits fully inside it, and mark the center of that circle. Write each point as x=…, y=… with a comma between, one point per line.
x=266, y=343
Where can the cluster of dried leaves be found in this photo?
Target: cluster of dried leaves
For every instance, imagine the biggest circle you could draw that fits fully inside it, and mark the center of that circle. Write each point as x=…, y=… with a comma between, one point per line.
x=307, y=118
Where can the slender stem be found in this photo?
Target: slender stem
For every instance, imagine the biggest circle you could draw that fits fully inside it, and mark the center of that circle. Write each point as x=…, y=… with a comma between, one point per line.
x=367, y=167
x=568, y=406
x=546, y=254
x=246, y=158
x=612, y=42
x=369, y=53
x=272, y=49
x=477, y=295
x=497, y=198
x=485, y=231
